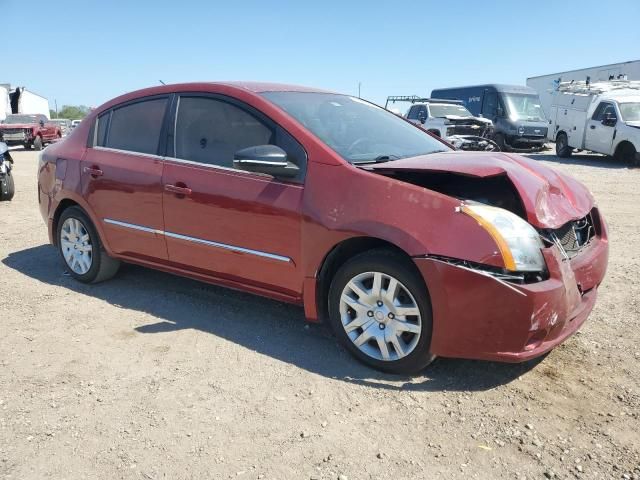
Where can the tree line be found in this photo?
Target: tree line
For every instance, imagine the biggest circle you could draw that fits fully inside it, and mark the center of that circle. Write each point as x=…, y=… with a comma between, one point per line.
x=72, y=112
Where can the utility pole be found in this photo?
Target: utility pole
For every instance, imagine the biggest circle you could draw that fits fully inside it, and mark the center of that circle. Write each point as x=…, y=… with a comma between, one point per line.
x=56, y=103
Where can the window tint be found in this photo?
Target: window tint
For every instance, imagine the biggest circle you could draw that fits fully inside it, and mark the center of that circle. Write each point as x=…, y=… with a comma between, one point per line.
x=211, y=131
x=413, y=112
x=136, y=127
x=103, y=123
x=602, y=110
x=490, y=104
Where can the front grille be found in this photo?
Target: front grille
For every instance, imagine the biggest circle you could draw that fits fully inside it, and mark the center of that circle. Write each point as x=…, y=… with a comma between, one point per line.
x=535, y=131
x=572, y=236
x=12, y=130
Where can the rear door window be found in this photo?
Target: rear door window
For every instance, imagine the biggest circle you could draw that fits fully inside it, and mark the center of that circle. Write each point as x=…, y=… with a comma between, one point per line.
x=136, y=127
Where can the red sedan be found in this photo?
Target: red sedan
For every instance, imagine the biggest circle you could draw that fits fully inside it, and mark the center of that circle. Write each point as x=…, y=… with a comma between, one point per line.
x=407, y=248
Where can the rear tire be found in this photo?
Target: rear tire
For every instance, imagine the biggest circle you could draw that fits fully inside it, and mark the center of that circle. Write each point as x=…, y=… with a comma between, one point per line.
x=405, y=340
x=7, y=188
x=37, y=143
x=563, y=150
x=85, y=258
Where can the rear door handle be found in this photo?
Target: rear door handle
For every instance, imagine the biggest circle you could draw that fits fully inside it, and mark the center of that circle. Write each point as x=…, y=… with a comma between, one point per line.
x=93, y=171
x=177, y=190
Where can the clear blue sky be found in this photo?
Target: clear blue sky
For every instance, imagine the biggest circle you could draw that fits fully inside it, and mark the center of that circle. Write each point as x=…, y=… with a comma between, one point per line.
x=86, y=52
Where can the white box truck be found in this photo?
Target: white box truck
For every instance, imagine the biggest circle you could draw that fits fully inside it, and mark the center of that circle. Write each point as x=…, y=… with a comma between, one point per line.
x=603, y=117
x=546, y=84
x=5, y=104
x=27, y=102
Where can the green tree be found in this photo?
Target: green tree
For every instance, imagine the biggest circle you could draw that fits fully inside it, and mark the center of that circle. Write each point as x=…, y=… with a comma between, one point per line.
x=72, y=112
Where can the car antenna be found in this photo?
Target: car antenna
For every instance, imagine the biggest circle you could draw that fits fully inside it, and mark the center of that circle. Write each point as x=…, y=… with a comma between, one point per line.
x=162, y=82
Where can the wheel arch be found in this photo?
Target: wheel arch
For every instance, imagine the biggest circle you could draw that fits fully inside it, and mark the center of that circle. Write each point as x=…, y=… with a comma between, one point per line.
x=68, y=202
x=337, y=256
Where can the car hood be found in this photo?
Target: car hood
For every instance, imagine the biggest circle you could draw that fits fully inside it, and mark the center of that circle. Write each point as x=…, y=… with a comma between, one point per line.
x=550, y=199
x=17, y=125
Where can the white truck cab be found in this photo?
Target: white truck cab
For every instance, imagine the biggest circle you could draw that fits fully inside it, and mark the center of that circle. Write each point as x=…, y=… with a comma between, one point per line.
x=603, y=117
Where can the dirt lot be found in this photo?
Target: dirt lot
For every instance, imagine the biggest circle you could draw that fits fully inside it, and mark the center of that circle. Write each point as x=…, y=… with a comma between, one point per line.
x=153, y=376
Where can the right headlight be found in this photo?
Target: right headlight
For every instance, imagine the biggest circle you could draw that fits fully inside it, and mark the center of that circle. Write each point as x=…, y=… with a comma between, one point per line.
x=519, y=243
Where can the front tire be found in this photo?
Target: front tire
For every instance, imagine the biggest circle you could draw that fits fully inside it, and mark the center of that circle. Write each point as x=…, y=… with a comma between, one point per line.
x=7, y=187
x=626, y=153
x=379, y=309
x=81, y=249
x=501, y=141
x=37, y=143
x=563, y=150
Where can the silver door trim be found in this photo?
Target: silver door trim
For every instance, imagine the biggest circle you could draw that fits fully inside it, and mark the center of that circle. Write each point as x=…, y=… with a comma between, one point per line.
x=224, y=246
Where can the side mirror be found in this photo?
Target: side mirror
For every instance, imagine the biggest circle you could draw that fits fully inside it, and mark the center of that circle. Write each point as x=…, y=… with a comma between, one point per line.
x=609, y=120
x=41, y=123
x=499, y=112
x=268, y=159
x=422, y=119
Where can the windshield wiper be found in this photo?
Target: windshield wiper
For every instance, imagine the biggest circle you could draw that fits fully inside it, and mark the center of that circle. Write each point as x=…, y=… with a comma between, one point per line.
x=378, y=159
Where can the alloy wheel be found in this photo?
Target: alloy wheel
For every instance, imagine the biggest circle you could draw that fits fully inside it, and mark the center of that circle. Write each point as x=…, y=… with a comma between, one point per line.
x=76, y=247
x=380, y=316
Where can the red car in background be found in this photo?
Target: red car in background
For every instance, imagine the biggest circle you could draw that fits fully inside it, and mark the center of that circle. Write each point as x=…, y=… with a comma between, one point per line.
x=29, y=130
x=409, y=249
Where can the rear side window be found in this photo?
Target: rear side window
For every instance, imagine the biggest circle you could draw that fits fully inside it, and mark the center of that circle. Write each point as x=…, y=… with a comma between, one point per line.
x=211, y=131
x=103, y=123
x=136, y=127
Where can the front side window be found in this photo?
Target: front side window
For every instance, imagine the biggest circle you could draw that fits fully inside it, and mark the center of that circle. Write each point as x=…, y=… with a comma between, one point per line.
x=413, y=112
x=358, y=131
x=211, y=131
x=135, y=127
x=603, y=109
x=490, y=105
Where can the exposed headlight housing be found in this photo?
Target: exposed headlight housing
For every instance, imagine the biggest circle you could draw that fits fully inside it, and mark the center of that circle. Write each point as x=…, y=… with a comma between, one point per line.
x=519, y=243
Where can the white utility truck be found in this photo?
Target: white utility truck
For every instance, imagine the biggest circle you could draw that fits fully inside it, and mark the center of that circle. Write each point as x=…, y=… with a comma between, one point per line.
x=545, y=85
x=603, y=117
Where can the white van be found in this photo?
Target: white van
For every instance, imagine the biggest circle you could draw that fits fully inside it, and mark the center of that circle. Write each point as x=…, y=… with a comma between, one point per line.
x=603, y=117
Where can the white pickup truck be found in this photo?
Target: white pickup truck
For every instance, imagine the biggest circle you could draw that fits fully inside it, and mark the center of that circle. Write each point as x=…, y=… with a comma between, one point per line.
x=603, y=117
x=449, y=120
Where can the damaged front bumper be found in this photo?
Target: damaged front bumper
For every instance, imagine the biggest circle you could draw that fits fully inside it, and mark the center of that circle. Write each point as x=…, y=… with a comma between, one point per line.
x=477, y=315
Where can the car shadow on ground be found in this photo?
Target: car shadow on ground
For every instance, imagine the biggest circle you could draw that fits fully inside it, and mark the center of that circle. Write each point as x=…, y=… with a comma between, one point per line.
x=584, y=159
x=265, y=326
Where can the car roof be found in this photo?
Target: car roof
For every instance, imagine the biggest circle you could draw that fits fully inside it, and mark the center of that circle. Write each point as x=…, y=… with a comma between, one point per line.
x=239, y=86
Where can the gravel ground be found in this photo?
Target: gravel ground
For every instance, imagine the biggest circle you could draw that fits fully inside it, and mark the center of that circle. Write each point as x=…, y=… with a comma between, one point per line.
x=153, y=376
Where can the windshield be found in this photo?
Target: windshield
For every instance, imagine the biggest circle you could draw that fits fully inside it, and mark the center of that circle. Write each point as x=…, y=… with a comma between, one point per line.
x=358, y=131
x=630, y=112
x=21, y=119
x=524, y=107
x=444, y=110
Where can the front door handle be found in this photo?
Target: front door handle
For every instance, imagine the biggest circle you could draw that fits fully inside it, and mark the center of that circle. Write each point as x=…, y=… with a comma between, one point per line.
x=93, y=171
x=592, y=127
x=177, y=190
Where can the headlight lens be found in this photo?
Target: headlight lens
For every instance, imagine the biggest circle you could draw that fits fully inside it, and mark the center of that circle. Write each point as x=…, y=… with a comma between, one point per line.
x=518, y=242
